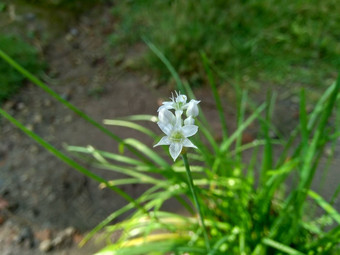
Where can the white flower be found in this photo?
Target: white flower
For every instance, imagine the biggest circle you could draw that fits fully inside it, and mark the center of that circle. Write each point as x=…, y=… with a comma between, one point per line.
x=176, y=134
x=192, y=109
x=179, y=104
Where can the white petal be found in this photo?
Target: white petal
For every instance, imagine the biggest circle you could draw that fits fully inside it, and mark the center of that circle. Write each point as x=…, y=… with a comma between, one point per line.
x=189, y=130
x=166, y=116
x=193, y=108
x=164, y=141
x=162, y=107
x=189, y=121
x=188, y=143
x=175, y=150
x=165, y=127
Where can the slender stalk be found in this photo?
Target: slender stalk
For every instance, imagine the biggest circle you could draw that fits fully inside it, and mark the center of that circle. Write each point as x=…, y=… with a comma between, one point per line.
x=197, y=204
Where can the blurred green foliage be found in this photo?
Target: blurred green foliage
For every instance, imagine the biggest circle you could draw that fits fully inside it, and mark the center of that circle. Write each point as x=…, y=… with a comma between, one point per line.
x=26, y=55
x=263, y=41
x=76, y=6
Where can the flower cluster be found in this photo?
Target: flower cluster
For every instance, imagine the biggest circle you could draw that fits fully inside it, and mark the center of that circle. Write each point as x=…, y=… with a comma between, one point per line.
x=172, y=124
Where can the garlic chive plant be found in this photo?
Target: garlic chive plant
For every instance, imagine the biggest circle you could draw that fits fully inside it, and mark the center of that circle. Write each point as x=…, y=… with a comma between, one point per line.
x=246, y=206
x=172, y=124
x=177, y=137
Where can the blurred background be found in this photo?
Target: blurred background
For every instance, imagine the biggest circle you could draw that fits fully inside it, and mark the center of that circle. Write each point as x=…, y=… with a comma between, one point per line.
x=93, y=53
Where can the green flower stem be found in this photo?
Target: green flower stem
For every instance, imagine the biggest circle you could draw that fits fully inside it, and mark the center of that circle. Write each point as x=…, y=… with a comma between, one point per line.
x=197, y=204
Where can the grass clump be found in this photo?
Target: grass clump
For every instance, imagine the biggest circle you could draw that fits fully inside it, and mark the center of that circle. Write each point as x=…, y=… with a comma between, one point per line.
x=26, y=55
x=245, y=205
x=260, y=41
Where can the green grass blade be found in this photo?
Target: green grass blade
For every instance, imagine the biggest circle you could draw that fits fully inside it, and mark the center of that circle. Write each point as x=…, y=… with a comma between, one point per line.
x=141, y=117
x=105, y=222
x=218, y=244
x=108, y=155
x=281, y=247
x=303, y=121
x=297, y=199
x=335, y=195
x=216, y=95
x=42, y=85
x=325, y=205
x=267, y=158
x=240, y=118
x=146, y=151
x=144, y=197
x=130, y=172
x=319, y=107
x=306, y=175
x=167, y=63
x=132, y=125
x=226, y=144
x=68, y=160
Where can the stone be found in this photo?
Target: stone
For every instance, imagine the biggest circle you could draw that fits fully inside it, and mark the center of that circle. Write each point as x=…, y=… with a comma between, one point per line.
x=46, y=245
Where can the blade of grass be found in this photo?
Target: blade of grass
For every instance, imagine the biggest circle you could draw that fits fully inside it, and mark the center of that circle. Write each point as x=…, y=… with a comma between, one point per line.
x=306, y=175
x=141, y=117
x=240, y=118
x=146, y=151
x=132, y=125
x=225, y=145
x=166, y=62
x=267, y=158
x=108, y=155
x=83, y=115
x=335, y=195
x=69, y=161
x=280, y=247
x=303, y=122
x=297, y=199
x=216, y=95
x=325, y=205
x=116, y=214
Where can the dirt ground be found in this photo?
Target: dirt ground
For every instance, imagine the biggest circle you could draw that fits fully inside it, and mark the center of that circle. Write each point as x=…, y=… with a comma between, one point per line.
x=41, y=198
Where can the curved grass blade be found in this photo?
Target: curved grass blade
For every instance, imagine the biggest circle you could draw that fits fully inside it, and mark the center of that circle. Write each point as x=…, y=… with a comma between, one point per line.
x=240, y=118
x=83, y=115
x=225, y=145
x=166, y=62
x=216, y=95
x=132, y=125
x=141, y=117
x=146, y=151
x=108, y=155
x=116, y=214
x=281, y=247
x=69, y=161
x=325, y=205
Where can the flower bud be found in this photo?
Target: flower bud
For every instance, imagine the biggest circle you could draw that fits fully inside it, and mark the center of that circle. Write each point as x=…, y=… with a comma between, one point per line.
x=181, y=99
x=192, y=109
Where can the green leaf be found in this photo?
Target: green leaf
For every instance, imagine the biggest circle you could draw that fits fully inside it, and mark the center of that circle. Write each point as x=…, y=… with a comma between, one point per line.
x=146, y=151
x=325, y=205
x=132, y=125
x=281, y=247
